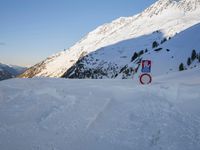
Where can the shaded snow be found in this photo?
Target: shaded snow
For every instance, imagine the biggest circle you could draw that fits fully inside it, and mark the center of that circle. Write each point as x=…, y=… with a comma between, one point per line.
x=180, y=49
x=60, y=114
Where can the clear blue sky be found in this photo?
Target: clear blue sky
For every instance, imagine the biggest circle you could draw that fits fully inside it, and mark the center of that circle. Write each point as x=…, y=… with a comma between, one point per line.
x=31, y=30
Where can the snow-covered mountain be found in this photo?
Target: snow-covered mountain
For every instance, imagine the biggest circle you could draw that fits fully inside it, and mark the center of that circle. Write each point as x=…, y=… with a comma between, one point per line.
x=107, y=51
x=10, y=71
x=168, y=56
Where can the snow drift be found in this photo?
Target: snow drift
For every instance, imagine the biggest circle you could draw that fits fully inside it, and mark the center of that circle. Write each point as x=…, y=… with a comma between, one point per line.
x=60, y=114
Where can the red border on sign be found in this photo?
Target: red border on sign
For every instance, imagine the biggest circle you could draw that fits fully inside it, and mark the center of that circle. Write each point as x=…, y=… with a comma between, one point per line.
x=145, y=74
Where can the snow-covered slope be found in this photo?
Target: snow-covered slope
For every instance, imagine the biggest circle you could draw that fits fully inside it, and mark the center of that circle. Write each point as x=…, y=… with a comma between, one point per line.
x=166, y=57
x=10, y=71
x=60, y=114
x=177, y=51
x=167, y=17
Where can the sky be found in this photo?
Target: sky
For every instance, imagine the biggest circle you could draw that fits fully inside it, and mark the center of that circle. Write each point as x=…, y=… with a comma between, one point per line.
x=31, y=30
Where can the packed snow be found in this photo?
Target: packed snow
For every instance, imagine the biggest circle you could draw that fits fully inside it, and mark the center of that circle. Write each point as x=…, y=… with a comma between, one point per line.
x=61, y=114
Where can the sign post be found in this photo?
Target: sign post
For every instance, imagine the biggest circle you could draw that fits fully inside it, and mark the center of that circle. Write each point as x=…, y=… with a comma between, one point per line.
x=145, y=77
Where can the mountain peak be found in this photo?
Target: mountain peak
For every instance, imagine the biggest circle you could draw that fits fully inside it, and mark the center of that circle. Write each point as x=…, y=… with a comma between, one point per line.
x=175, y=5
x=110, y=46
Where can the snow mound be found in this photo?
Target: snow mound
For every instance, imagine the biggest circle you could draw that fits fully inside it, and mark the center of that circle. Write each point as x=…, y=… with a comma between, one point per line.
x=60, y=114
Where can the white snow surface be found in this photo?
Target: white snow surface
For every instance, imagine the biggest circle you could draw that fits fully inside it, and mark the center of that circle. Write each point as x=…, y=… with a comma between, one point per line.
x=168, y=16
x=163, y=62
x=180, y=47
x=61, y=114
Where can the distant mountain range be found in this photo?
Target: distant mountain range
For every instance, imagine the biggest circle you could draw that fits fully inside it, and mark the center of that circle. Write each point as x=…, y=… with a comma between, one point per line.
x=10, y=71
x=167, y=32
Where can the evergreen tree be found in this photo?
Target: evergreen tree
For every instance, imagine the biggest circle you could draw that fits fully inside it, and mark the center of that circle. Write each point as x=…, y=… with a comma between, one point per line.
x=189, y=61
x=155, y=44
x=181, y=67
x=141, y=52
x=135, y=55
x=199, y=57
x=164, y=40
x=194, y=55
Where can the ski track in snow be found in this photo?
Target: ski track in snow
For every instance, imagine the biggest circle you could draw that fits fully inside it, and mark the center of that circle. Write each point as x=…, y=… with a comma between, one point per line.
x=60, y=114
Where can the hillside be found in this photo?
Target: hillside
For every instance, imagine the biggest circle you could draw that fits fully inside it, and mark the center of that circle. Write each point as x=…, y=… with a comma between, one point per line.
x=10, y=71
x=160, y=22
x=166, y=56
x=60, y=114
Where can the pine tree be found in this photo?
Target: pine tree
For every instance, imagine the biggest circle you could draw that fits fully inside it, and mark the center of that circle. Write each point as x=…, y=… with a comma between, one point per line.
x=164, y=40
x=135, y=55
x=155, y=44
x=141, y=52
x=189, y=61
x=181, y=67
x=199, y=57
x=194, y=55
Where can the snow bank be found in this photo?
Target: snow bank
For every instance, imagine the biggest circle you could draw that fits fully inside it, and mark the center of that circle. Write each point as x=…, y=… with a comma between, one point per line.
x=60, y=114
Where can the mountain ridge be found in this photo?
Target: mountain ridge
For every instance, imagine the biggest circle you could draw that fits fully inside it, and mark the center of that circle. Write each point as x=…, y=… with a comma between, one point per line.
x=10, y=71
x=166, y=56
x=171, y=20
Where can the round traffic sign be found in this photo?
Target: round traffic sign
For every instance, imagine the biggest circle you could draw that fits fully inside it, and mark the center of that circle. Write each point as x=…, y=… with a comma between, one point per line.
x=145, y=78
